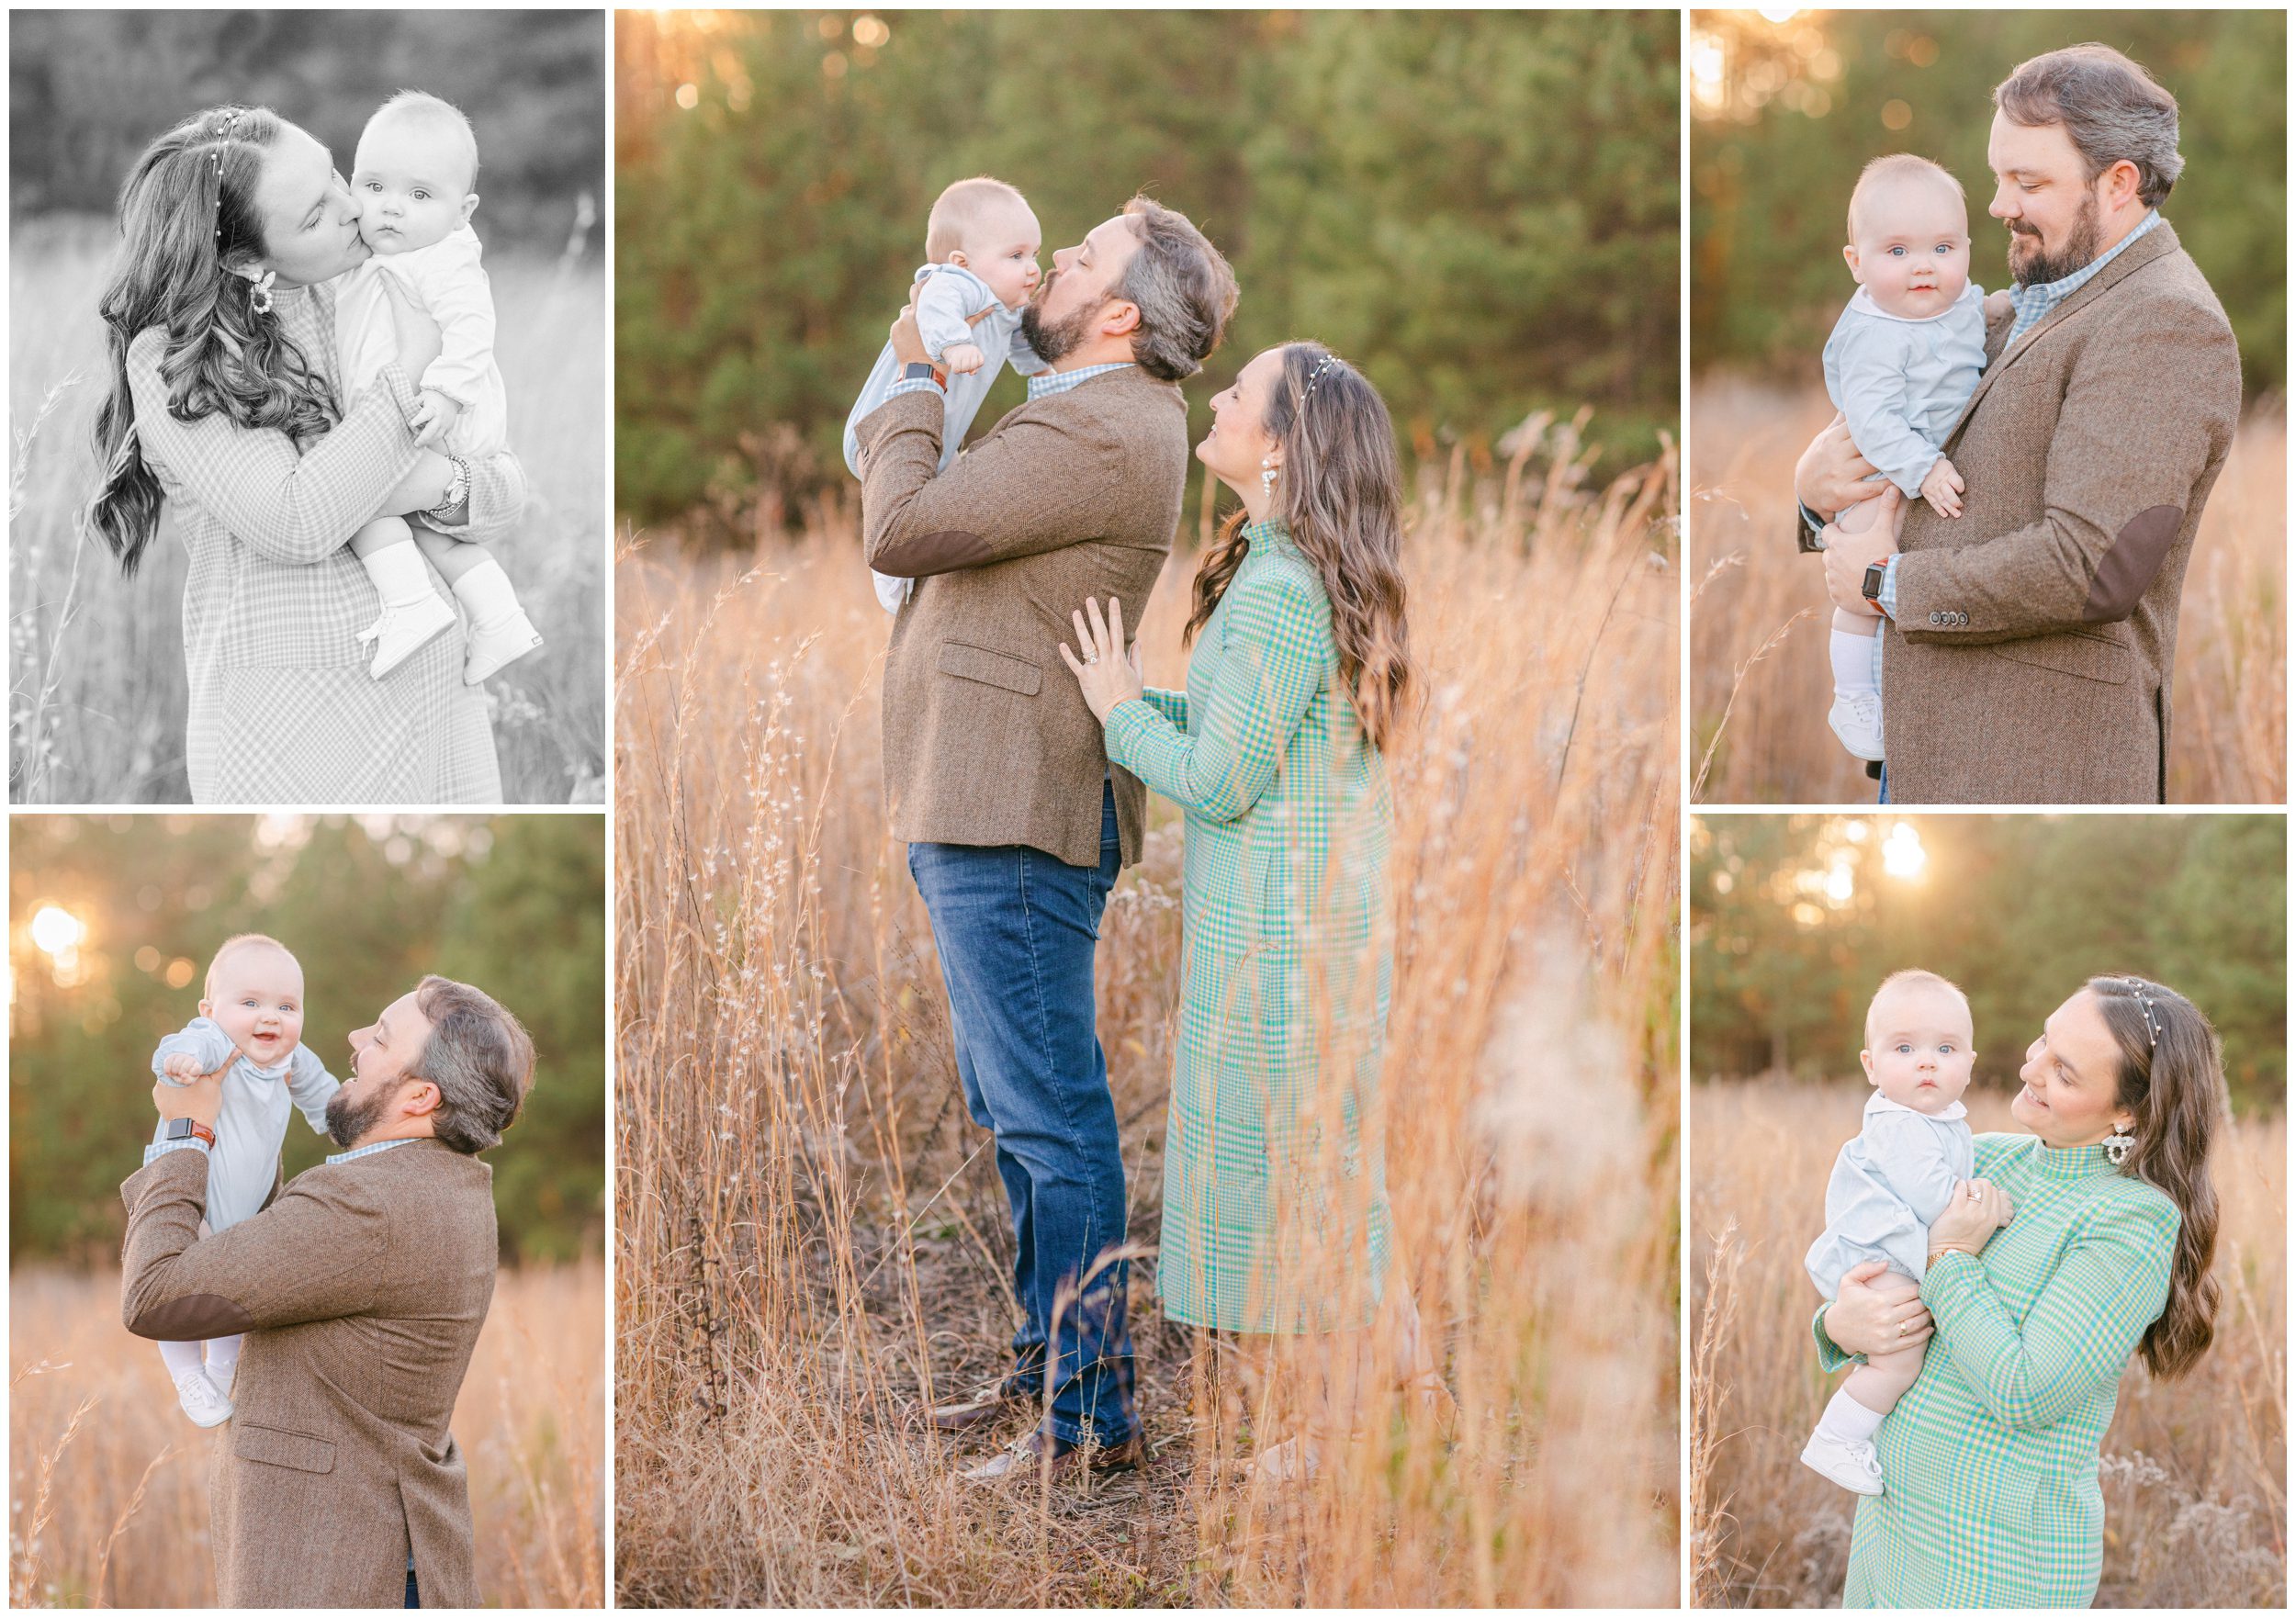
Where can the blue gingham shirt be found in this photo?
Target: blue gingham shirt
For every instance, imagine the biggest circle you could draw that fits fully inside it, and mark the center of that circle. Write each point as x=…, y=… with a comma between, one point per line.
x=2032, y=303
x=369, y=1150
x=1044, y=384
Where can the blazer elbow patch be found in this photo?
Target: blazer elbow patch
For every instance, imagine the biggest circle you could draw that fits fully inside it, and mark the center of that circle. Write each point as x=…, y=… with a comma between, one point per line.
x=192, y=1319
x=923, y=555
x=2131, y=563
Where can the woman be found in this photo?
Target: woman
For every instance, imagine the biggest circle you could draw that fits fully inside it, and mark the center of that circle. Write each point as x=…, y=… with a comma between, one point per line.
x=221, y=340
x=1991, y=1459
x=1275, y=1218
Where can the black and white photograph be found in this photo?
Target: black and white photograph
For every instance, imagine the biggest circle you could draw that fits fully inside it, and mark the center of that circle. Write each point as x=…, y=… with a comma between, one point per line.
x=307, y=379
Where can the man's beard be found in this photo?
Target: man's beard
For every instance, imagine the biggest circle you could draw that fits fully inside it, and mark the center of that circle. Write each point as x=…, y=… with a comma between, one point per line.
x=2040, y=267
x=346, y=1120
x=1054, y=343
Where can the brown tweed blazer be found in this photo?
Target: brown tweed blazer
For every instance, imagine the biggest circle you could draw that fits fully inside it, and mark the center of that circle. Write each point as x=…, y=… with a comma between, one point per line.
x=361, y=1289
x=2030, y=656
x=989, y=742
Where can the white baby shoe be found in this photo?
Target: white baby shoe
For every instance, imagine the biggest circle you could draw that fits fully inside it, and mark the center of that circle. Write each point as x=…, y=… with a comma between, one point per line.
x=401, y=631
x=220, y=1376
x=1853, y=1465
x=1856, y=717
x=201, y=1402
x=489, y=649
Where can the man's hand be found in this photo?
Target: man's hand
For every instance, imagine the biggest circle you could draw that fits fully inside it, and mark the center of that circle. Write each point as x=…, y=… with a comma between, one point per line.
x=1848, y=555
x=908, y=343
x=1831, y=476
x=1941, y=486
x=199, y=1099
x=961, y=358
x=434, y=417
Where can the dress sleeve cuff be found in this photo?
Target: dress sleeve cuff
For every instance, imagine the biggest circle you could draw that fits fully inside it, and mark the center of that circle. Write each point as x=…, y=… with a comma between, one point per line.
x=1124, y=726
x=1829, y=1357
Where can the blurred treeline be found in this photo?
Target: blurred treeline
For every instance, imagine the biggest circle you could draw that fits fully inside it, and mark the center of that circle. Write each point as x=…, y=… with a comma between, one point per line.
x=1784, y=114
x=1480, y=208
x=1795, y=919
x=89, y=90
x=512, y=904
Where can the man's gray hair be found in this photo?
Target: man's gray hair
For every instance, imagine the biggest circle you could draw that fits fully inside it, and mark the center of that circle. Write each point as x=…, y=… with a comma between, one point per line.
x=479, y=1058
x=1183, y=290
x=2111, y=108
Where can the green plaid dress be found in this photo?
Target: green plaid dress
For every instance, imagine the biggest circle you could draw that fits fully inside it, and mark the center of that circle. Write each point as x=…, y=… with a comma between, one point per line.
x=1990, y=1461
x=1275, y=1188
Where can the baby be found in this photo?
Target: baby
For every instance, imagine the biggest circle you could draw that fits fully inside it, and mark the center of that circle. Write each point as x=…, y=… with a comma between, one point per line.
x=1903, y=359
x=981, y=242
x=251, y=1024
x=413, y=176
x=1888, y=1185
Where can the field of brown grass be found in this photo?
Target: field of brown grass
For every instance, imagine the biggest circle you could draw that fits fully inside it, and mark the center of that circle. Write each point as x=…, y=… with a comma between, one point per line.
x=96, y=688
x=812, y=1236
x=109, y=1482
x=1759, y=684
x=2195, y=1470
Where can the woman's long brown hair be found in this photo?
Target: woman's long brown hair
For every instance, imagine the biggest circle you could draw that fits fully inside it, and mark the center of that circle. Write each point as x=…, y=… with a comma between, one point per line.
x=2172, y=1078
x=187, y=217
x=1340, y=495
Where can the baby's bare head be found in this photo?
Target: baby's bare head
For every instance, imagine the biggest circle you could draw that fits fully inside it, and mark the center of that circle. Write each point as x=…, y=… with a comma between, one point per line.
x=1914, y=998
x=972, y=216
x=252, y=959
x=1902, y=192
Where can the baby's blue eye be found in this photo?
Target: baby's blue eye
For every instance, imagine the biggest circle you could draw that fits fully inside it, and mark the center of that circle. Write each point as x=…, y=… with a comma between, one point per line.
x=1897, y=252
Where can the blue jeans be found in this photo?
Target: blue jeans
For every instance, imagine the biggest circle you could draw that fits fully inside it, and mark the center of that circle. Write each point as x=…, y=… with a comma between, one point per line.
x=413, y=1599
x=1015, y=929
x=1884, y=777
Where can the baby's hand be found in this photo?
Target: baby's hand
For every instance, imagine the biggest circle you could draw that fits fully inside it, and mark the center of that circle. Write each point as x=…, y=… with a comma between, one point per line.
x=434, y=418
x=959, y=358
x=1998, y=305
x=182, y=1066
x=1942, y=488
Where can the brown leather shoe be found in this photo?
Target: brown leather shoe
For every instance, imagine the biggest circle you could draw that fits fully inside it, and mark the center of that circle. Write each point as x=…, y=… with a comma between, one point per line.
x=1025, y=1458
x=989, y=1403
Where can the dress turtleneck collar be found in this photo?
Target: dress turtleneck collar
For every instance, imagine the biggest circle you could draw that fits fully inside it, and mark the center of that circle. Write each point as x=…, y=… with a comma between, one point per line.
x=2068, y=1162
x=1270, y=535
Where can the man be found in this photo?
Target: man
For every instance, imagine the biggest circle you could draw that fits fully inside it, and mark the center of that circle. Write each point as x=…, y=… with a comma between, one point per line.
x=2029, y=644
x=361, y=1287
x=996, y=778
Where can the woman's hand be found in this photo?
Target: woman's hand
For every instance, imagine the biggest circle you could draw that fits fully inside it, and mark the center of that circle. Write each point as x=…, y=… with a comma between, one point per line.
x=1978, y=1208
x=1108, y=674
x=1831, y=476
x=418, y=341
x=425, y=484
x=1876, y=1312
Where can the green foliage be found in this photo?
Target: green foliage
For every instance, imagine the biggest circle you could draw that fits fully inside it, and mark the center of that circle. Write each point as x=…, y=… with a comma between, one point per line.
x=1768, y=198
x=1477, y=208
x=514, y=904
x=2019, y=910
x=88, y=90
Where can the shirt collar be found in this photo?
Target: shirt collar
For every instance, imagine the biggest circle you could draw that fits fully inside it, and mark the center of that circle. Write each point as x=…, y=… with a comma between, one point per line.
x=1046, y=384
x=1877, y=1102
x=369, y=1150
x=2032, y=302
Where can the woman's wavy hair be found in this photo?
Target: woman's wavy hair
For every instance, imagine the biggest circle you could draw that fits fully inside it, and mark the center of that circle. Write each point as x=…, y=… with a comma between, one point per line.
x=187, y=219
x=1340, y=493
x=2172, y=1078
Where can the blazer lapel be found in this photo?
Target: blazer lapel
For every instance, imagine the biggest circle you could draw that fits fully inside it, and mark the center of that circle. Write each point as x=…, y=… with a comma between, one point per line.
x=2157, y=243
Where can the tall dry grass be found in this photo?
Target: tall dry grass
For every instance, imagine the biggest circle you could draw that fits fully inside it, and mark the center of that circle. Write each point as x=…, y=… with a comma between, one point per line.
x=813, y=1241
x=96, y=690
x=1759, y=616
x=2195, y=1470
x=109, y=1482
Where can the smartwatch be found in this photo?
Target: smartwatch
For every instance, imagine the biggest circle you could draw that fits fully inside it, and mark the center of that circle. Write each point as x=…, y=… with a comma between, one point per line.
x=1872, y=588
x=923, y=371
x=185, y=1129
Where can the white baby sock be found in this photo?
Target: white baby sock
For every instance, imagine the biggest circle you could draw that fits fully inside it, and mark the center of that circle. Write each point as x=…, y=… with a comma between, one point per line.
x=179, y=1358
x=222, y=1362
x=486, y=591
x=399, y=574
x=1849, y=1420
x=1852, y=658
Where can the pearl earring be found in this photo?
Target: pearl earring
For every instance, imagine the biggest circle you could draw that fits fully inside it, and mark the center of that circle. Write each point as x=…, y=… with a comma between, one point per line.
x=1268, y=476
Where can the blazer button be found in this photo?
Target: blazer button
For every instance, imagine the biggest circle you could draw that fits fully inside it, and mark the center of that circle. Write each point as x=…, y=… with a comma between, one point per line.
x=1964, y=620
x=1937, y=617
